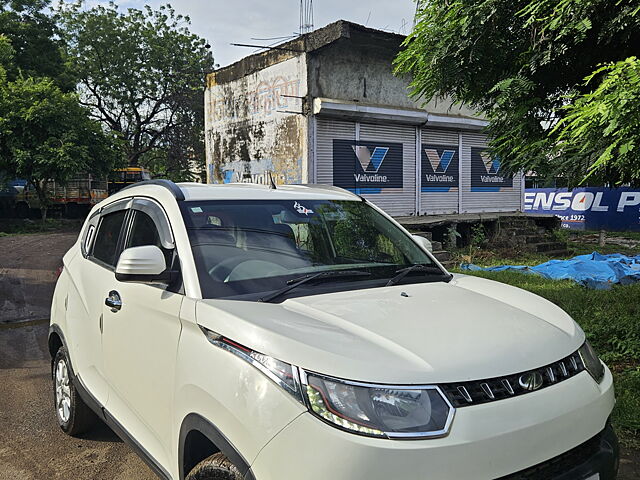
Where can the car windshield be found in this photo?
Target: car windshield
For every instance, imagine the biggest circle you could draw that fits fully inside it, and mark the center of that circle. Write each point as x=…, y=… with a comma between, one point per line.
x=245, y=248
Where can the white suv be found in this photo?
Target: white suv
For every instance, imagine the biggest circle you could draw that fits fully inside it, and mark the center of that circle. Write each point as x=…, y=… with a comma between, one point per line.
x=246, y=332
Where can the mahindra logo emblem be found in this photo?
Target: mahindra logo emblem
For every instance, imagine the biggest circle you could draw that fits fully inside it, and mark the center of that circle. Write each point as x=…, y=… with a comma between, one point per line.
x=370, y=162
x=531, y=381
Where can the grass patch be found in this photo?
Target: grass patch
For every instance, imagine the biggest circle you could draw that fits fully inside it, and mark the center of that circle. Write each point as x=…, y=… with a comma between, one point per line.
x=28, y=226
x=611, y=321
x=584, y=233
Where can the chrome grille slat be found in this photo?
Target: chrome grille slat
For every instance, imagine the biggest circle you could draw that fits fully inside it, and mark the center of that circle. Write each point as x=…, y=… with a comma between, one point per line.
x=462, y=394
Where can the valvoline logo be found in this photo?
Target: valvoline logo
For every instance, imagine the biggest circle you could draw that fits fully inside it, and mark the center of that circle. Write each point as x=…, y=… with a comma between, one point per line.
x=491, y=165
x=440, y=168
x=439, y=163
x=367, y=167
x=370, y=161
x=486, y=172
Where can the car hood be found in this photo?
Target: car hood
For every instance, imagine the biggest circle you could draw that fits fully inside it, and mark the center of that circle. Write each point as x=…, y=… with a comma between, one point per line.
x=468, y=329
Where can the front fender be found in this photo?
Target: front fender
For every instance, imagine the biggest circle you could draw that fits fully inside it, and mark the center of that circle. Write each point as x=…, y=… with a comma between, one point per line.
x=243, y=408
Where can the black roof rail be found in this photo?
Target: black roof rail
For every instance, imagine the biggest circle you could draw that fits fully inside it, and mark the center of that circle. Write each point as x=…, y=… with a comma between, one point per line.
x=168, y=184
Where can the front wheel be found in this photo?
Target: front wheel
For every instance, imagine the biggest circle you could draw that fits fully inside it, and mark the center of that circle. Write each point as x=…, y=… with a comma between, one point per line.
x=73, y=415
x=216, y=467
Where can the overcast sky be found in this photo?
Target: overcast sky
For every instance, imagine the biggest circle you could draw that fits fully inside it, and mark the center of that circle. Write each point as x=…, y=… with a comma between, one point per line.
x=223, y=22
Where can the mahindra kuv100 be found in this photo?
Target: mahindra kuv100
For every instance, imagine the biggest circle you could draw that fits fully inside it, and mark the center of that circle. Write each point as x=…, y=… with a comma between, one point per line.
x=244, y=332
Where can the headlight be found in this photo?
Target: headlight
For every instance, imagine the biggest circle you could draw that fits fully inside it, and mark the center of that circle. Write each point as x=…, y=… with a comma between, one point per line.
x=385, y=411
x=378, y=410
x=591, y=362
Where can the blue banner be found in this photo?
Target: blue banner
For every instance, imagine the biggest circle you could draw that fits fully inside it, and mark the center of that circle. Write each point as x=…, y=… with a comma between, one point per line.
x=594, y=208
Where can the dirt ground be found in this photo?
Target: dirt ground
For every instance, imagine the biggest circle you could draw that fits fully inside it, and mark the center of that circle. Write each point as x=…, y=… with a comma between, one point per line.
x=27, y=273
x=32, y=447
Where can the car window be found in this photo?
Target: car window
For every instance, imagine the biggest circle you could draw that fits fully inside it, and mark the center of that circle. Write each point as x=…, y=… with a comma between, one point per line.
x=106, y=242
x=143, y=232
x=247, y=247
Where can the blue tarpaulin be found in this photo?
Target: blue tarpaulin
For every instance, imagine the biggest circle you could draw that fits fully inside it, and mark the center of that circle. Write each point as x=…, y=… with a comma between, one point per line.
x=593, y=270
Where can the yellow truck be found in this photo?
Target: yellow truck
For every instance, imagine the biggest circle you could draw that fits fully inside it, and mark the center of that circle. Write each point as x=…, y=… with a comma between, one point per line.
x=123, y=177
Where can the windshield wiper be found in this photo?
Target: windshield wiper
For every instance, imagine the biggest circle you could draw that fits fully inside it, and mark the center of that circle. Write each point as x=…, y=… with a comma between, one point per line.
x=328, y=274
x=403, y=272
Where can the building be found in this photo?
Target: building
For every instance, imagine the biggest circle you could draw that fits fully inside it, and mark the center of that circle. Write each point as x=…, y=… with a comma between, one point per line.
x=327, y=108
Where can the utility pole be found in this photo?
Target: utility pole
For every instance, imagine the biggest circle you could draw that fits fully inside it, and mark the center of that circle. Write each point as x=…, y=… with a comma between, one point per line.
x=306, y=16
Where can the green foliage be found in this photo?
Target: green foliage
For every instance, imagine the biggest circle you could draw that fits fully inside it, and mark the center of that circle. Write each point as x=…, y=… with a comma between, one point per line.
x=561, y=235
x=478, y=235
x=46, y=135
x=142, y=74
x=521, y=62
x=603, y=127
x=33, y=35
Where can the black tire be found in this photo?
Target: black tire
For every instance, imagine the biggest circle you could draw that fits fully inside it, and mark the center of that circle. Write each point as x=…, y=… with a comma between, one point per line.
x=80, y=418
x=216, y=467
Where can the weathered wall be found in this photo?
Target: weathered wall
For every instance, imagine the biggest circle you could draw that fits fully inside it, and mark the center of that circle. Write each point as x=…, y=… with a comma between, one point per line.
x=254, y=126
x=361, y=69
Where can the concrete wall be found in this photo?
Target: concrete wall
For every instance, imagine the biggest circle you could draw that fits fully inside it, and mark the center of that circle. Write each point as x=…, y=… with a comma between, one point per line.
x=361, y=69
x=252, y=128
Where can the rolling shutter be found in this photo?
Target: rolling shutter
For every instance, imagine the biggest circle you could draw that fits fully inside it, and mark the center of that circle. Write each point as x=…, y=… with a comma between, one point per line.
x=484, y=187
x=439, y=172
x=398, y=196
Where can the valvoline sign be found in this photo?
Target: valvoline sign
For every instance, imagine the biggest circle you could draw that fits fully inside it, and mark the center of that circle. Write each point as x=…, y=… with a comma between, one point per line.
x=367, y=167
x=613, y=209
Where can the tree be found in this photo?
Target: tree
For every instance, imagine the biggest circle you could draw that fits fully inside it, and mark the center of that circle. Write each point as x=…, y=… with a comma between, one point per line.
x=534, y=68
x=179, y=154
x=33, y=36
x=46, y=135
x=138, y=73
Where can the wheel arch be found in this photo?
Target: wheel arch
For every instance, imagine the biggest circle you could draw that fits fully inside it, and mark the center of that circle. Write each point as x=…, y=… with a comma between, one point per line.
x=56, y=340
x=199, y=439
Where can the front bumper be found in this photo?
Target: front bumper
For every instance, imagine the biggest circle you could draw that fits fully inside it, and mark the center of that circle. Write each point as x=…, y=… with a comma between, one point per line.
x=511, y=439
x=597, y=458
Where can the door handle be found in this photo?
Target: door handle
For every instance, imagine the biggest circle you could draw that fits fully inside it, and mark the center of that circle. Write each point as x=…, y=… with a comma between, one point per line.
x=113, y=301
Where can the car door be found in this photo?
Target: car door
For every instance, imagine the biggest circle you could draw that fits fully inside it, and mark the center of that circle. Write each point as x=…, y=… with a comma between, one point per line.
x=91, y=273
x=140, y=339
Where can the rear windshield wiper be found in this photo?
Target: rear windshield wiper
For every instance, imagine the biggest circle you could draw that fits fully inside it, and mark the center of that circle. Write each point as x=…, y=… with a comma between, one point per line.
x=433, y=270
x=296, y=282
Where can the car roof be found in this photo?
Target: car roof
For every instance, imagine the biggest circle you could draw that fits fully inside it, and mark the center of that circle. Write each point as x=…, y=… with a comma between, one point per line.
x=245, y=191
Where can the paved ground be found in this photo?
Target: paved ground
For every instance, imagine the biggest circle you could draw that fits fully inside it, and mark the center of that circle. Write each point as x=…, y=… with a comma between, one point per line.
x=27, y=273
x=32, y=447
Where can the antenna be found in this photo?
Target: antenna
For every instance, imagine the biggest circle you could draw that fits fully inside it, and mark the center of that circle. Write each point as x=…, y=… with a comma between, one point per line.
x=306, y=16
x=272, y=184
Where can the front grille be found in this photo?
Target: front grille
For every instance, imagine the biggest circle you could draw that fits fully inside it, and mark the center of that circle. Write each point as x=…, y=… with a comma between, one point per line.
x=559, y=465
x=464, y=394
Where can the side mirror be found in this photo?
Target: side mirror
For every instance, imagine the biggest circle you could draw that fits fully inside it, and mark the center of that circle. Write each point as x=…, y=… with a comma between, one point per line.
x=144, y=264
x=423, y=242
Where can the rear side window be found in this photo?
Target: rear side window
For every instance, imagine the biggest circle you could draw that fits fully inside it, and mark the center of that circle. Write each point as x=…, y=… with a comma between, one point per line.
x=106, y=243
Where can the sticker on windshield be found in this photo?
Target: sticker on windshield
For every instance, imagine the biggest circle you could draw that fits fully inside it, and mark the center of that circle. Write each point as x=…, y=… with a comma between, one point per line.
x=301, y=209
x=196, y=209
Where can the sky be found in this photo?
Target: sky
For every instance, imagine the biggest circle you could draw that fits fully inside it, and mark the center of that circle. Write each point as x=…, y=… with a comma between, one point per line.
x=223, y=22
